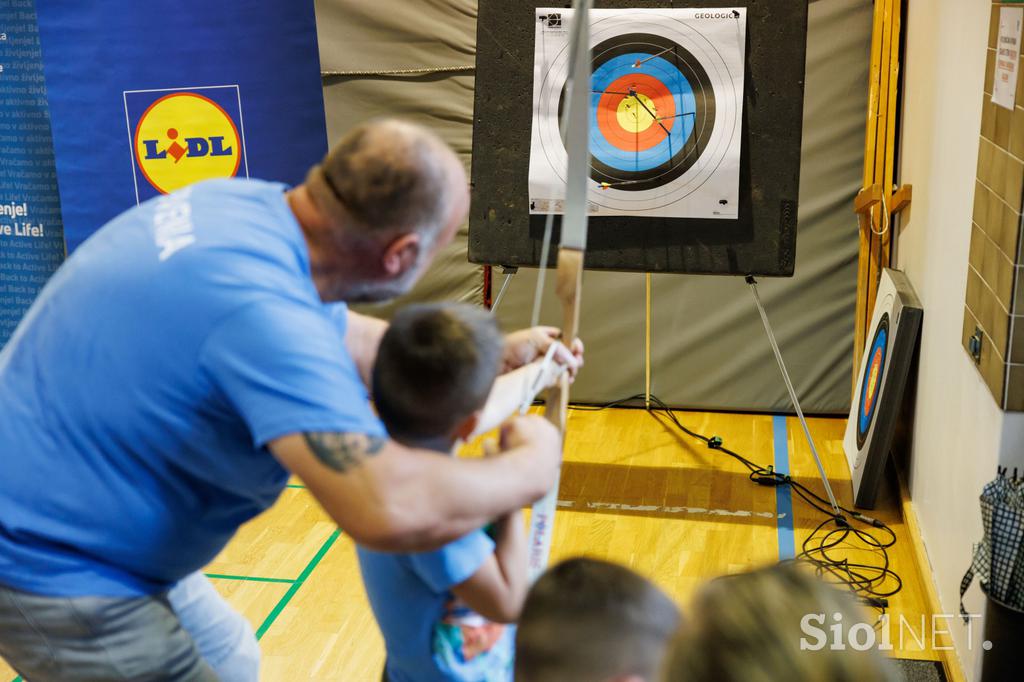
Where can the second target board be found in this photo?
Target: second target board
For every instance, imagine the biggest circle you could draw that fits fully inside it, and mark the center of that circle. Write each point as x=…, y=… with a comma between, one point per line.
x=881, y=380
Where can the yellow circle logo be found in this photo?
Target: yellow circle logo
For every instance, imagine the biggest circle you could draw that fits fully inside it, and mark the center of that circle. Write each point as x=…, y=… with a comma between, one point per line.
x=184, y=138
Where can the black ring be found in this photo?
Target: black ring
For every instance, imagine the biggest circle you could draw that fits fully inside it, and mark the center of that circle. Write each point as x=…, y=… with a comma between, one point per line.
x=704, y=116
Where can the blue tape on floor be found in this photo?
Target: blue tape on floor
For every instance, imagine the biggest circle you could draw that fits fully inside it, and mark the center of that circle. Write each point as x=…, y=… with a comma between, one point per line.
x=783, y=495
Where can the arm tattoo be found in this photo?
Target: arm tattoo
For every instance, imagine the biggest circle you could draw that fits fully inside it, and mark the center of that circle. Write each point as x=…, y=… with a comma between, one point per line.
x=343, y=451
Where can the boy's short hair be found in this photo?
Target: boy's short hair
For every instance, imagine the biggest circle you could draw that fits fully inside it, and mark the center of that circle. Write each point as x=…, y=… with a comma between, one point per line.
x=588, y=620
x=435, y=366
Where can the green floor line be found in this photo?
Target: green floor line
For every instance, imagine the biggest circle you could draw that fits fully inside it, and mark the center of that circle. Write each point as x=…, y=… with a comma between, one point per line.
x=253, y=578
x=295, y=485
x=295, y=584
x=272, y=616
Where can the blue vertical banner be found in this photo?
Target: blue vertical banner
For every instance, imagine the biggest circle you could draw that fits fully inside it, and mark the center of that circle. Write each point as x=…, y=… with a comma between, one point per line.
x=31, y=238
x=147, y=97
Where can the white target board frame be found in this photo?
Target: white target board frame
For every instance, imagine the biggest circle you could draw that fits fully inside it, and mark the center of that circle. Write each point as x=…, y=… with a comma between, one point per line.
x=698, y=57
x=881, y=381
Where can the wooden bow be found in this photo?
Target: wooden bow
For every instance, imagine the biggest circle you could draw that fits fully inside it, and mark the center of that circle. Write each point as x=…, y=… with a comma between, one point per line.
x=572, y=245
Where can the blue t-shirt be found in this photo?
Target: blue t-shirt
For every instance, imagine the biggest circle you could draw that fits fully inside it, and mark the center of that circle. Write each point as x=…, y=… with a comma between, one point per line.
x=428, y=634
x=137, y=395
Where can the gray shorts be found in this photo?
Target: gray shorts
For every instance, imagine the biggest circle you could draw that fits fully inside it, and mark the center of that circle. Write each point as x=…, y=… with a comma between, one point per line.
x=74, y=639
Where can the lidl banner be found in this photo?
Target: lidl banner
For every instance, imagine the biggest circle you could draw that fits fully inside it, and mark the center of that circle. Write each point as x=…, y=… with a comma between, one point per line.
x=147, y=97
x=31, y=241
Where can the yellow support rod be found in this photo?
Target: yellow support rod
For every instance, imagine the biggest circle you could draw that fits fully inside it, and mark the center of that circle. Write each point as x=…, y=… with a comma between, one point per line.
x=647, y=345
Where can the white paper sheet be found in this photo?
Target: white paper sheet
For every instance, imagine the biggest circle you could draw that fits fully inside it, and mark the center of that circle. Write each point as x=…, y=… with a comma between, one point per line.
x=1004, y=85
x=667, y=103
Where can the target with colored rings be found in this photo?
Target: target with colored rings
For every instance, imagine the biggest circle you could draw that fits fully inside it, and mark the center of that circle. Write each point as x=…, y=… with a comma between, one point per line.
x=871, y=382
x=666, y=97
x=652, y=111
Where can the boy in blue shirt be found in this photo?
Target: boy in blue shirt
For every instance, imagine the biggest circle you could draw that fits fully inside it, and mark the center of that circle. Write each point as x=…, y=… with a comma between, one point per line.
x=443, y=613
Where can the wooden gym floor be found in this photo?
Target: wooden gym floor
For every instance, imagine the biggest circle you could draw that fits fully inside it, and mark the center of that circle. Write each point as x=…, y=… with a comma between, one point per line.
x=634, y=490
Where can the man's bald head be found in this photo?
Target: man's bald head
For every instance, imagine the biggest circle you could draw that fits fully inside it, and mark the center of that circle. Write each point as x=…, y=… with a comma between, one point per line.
x=389, y=176
x=377, y=209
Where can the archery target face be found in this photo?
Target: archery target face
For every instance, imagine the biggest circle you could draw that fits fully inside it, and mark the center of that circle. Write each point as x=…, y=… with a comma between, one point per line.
x=652, y=112
x=871, y=381
x=666, y=97
x=881, y=383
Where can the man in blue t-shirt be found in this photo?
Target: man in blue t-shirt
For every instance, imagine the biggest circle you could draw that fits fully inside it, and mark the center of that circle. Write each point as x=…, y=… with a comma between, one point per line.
x=186, y=360
x=444, y=613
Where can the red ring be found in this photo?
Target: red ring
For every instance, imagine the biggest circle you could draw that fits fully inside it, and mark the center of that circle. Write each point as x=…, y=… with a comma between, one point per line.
x=607, y=112
x=869, y=395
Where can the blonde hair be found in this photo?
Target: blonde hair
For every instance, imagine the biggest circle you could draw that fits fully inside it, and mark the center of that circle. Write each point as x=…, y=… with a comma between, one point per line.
x=748, y=628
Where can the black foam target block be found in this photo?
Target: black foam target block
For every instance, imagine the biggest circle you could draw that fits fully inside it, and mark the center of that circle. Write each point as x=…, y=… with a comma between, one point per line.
x=761, y=241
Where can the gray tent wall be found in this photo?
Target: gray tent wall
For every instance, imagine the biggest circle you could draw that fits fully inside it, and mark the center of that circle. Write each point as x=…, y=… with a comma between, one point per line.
x=709, y=349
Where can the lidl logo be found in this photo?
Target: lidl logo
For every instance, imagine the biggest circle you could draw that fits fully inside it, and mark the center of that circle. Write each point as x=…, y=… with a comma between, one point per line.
x=184, y=135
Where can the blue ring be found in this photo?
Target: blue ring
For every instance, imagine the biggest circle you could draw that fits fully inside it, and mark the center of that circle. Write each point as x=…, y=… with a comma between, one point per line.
x=881, y=342
x=680, y=133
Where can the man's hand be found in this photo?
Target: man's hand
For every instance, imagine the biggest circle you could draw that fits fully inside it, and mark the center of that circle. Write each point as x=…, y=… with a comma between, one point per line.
x=535, y=433
x=526, y=345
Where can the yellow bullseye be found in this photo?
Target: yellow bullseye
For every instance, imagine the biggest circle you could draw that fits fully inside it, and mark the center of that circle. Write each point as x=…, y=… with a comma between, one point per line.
x=633, y=117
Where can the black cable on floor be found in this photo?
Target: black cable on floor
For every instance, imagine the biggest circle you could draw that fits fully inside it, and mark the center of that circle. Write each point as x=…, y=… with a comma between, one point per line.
x=873, y=582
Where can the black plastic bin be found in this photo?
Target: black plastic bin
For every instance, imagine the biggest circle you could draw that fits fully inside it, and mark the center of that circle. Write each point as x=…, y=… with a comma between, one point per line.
x=1004, y=630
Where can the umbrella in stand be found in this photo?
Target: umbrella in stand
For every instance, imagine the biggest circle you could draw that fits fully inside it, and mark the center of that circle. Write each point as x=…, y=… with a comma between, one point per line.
x=1015, y=588
x=999, y=564
x=1006, y=533
x=999, y=558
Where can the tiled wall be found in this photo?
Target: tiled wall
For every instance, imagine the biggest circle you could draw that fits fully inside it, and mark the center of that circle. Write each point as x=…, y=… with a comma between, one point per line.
x=995, y=286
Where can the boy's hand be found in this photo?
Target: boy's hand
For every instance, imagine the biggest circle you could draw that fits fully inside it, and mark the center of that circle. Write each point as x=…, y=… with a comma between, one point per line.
x=526, y=345
x=529, y=430
x=491, y=448
x=539, y=438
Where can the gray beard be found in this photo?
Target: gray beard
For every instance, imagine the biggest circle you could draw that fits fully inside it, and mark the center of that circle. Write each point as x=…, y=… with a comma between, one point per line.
x=379, y=292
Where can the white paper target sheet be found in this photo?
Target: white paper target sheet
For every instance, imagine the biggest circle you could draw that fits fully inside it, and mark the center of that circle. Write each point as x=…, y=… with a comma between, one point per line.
x=666, y=111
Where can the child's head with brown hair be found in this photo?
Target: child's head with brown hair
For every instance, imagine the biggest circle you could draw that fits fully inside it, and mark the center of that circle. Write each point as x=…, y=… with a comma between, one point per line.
x=434, y=370
x=588, y=620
